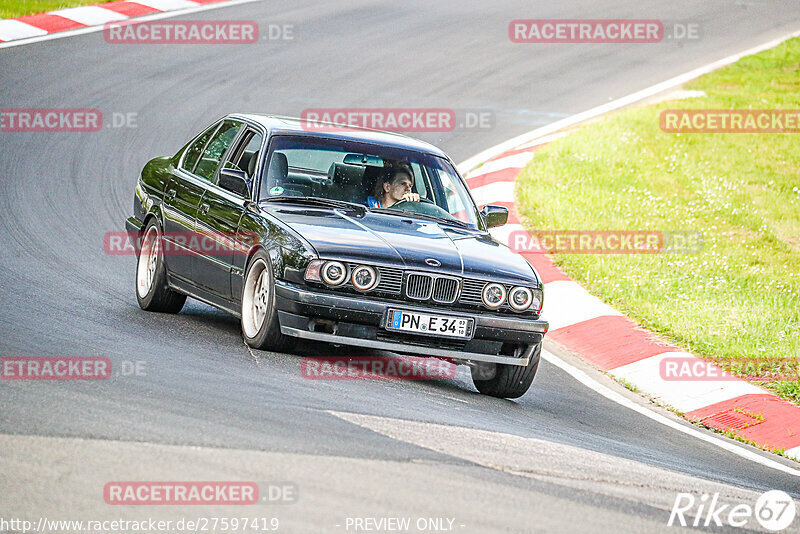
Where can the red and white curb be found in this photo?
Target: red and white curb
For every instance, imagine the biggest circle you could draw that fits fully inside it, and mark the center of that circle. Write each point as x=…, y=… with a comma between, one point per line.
x=87, y=16
x=602, y=335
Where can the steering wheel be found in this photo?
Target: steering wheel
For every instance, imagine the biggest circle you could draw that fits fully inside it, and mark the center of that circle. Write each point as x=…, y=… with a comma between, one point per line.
x=424, y=207
x=421, y=199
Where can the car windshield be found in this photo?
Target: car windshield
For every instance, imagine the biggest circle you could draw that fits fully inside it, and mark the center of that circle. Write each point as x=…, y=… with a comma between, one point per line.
x=382, y=178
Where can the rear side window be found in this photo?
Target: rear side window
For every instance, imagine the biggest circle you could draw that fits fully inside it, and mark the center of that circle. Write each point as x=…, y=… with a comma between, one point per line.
x=219, y=144
x=196, y=148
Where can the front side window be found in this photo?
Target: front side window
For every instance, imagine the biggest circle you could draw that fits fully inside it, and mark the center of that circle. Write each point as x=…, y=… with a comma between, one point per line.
x=192, y=155
x=216, y=148
x=245, y=156
x=378, y=177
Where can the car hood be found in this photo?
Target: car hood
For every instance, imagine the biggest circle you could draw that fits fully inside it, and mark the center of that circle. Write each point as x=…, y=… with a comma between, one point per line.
x=406, y=242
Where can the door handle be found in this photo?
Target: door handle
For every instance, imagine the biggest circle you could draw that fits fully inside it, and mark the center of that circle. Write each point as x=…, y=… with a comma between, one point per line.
x=171, y=194
x=204, y=209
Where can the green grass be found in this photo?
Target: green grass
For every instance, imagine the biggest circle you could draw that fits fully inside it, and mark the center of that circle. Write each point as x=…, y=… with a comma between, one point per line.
x=739, y=297
x=628, y=385
x=17, y=8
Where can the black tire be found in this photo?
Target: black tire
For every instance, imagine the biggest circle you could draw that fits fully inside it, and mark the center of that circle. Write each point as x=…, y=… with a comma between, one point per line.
x=260, y=327
x=507, y=381
x=152, y=291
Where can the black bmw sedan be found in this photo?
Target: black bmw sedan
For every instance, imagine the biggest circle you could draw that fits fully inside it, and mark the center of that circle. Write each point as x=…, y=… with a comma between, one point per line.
x=340, y=235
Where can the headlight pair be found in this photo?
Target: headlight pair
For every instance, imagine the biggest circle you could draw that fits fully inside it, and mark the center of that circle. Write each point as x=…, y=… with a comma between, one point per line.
x=519, y=298
x=335, y=273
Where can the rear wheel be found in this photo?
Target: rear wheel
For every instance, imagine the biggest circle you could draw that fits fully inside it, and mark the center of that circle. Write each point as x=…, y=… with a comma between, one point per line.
x=506, y=381
x=260, y=326
x=152, y=291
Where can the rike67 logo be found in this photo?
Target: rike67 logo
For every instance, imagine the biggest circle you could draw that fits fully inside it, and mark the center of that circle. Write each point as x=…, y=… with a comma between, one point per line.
x=774, y=510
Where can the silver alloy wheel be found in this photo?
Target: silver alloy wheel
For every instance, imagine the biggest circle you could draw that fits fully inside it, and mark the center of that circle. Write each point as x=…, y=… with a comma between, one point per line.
x=148, y=262
x=255, y=298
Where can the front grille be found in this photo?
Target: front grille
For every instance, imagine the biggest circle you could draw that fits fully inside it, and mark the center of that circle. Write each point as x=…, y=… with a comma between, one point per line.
x=430, y=287
x=471, y=292
x=424, y=286
x=445, y=290
x=419, y=286
x=389, y=280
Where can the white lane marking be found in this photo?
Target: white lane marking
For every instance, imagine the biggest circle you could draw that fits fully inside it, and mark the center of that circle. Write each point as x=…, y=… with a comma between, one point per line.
x=167, y=5
x=466, y=166
x=685, y=395
x=44, y=36
x=611, y=395
x=494, y=192
x=89, y=15
x=14, y=29
x=567, y=303
x=509, y=162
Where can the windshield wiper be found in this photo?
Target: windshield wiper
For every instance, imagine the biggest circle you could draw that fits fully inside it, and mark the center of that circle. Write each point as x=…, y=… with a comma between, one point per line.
x=318, y=200
x=406, y=213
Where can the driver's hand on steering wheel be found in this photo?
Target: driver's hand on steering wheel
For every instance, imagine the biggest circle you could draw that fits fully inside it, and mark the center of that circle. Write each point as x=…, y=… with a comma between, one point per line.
x=411, y=197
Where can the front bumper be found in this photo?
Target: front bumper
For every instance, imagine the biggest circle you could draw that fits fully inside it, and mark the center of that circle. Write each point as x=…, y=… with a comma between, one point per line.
x=132, y=224
x=354, y=320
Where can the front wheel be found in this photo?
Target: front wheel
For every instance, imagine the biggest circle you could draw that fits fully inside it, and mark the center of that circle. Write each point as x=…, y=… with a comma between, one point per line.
x=152, y=291
x=260, y=326
x=506, y=381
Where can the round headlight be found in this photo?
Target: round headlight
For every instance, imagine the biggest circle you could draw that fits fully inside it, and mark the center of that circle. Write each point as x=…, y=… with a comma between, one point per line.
x=364, y=278
x=520, y=298
x=334, y=273
x=494, y=295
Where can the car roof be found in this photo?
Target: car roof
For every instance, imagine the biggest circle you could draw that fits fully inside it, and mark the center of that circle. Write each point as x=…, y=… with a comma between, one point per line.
x=276, y=125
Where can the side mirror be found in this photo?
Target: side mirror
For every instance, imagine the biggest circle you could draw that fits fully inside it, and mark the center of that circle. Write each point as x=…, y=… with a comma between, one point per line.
x=494, y=215
x=235, y=181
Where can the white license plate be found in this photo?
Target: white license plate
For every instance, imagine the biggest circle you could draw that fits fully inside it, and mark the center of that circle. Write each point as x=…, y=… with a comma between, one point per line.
x=423, y=323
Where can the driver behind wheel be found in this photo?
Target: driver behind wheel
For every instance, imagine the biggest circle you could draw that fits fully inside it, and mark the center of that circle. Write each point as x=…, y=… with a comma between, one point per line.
x=394, y=186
